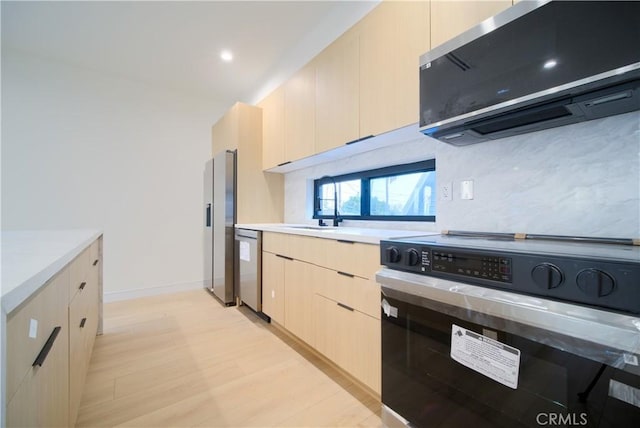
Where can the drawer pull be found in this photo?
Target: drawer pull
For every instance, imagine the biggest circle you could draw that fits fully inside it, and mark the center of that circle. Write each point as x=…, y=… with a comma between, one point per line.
x=359, y=139
x=345, y=274
x=95, y=262
x=344, y=241
x=284, y=257
x=342, y=305
x=46, y=348
x=284, y=163
x=82, y=322
x=82, y=285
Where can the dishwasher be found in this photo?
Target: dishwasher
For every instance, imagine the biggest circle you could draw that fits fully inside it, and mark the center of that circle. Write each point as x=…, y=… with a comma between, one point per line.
x=249, y=262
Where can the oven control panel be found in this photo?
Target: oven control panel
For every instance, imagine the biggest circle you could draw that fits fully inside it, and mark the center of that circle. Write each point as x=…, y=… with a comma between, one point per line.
x=426, y=260
x=575, y=279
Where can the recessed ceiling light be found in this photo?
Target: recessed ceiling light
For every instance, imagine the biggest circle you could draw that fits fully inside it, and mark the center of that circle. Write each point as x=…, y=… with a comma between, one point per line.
x=226, y=56
x=550, y=64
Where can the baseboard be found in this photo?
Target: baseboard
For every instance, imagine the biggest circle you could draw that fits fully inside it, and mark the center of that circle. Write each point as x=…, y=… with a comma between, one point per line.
x=115, y=296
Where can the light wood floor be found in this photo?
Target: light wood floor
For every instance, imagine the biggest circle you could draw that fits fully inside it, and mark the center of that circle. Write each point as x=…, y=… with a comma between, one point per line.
x=184, y=360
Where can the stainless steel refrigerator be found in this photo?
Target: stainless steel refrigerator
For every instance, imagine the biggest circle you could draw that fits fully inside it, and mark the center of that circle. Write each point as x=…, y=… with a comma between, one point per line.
x=220, y=218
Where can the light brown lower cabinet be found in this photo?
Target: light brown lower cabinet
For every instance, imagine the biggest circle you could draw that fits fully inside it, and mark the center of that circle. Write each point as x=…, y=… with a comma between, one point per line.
x=273, y=286
x=298, y=282
x=336, y=312
x=50, y=338
x=38, y=358
x=349, y=338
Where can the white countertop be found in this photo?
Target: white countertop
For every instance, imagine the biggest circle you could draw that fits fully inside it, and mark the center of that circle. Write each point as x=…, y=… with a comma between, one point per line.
x=356, y=234
x=31, y=257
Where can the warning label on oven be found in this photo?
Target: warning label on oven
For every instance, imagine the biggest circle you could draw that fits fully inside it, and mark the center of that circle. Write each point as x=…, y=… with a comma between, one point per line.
x=489, y=357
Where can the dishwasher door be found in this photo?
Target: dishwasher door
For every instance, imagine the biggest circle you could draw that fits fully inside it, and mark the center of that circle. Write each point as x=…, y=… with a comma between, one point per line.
x=249, y=260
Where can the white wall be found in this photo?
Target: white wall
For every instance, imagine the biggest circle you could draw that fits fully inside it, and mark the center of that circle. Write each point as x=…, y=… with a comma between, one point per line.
x=81, y=149
x=582, y=179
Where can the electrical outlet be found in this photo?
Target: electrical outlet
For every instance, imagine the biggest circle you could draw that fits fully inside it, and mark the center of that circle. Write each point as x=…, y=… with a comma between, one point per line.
x=445, y=192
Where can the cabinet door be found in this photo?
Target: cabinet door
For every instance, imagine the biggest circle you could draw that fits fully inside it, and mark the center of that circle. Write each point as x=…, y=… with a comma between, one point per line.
x=337, y=93
x=273, y=286
x=39, y=395
x=450, y=18
x=42, y=398
x=350, y=339
x=365, y=362
x=273, y=129
x=299, y=277
x=299, y=114
x=392, y=38
x=329, y=334
x=224, y=134
x=30, y=326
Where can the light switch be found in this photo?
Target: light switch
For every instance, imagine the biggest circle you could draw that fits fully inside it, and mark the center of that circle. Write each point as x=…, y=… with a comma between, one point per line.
x=466, y=189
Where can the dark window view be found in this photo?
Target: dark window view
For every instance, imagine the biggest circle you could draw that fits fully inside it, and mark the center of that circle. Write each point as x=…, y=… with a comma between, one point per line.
x=401, y=192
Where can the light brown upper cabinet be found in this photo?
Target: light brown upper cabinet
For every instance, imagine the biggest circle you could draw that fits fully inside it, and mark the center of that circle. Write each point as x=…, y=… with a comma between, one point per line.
x=337, y=93
x=260, y=195
x=392, y=38
x=300, y=114
x=273, y=129
x=450, y=18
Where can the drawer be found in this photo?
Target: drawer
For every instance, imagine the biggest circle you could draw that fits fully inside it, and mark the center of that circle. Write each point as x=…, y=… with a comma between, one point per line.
x=308, y=249
x=84, y=268
x=78, y=272
x=354, y=257
x=83, y=325
x=355, y=292
x=276, y=243
x=48, y=307
x=94, y=253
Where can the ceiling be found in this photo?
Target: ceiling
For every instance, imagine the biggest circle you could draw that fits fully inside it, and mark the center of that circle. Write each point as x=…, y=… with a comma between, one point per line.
x=177, y=44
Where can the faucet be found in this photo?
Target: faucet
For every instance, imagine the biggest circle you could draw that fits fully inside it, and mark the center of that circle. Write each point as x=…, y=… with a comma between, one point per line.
x=336, y=216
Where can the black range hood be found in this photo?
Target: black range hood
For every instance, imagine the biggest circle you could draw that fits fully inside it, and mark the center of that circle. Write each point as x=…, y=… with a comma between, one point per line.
x=537, y=65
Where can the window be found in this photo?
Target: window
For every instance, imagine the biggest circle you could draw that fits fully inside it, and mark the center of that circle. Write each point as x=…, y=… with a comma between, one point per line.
x=401, y=192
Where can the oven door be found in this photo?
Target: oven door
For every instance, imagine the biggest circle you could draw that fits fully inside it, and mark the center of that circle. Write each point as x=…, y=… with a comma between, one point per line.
x=455, y=355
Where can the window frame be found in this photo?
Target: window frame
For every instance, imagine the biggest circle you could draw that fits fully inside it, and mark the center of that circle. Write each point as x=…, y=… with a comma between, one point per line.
x=365, y=178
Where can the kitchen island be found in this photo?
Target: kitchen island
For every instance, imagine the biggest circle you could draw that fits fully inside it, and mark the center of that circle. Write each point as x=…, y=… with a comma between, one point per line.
x=51, y=311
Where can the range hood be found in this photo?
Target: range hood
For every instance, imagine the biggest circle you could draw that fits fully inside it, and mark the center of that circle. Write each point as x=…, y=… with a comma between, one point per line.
x=537, y=65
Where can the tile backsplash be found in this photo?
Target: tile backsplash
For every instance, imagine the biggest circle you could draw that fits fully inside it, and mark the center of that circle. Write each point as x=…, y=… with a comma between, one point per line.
x=581, y=179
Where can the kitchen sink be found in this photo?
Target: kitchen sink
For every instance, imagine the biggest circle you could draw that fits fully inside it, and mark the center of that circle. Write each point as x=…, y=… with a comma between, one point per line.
x=315, y=227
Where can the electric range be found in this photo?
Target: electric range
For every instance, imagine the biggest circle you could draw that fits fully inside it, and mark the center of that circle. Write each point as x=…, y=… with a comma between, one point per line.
x=592, y=271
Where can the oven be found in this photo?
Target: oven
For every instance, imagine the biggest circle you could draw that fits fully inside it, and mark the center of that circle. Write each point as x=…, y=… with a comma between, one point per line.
x=460, y=349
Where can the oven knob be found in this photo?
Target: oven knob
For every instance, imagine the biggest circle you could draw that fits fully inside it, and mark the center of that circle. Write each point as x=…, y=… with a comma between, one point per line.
x=546, y=276
x=595, y=283
x=413, y=257
x=393, y=255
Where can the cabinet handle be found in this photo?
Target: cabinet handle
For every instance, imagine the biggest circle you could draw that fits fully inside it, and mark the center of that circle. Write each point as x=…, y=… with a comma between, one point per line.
x=342, y=305
x=46, y=348
x=82, y=322
x=342, y=241
x=359, y=139
x=96, y=262
x=284, y=163
x=345, y=274
x=82, y=285
x=284, y=257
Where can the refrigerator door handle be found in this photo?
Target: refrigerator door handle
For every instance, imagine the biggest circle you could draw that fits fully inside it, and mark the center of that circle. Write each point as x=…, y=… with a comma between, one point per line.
x=208, y=216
